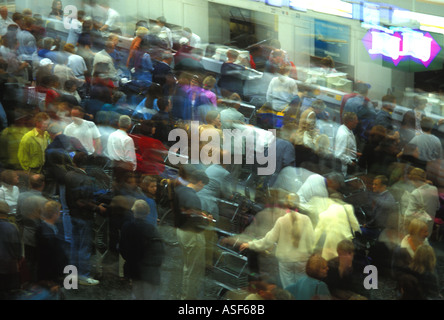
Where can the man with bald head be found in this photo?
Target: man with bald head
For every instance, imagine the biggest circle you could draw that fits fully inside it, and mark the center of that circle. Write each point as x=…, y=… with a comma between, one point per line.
x=5, y=20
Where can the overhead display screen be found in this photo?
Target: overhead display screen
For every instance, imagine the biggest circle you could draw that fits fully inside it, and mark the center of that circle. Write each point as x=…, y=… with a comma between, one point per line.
x=405, y=49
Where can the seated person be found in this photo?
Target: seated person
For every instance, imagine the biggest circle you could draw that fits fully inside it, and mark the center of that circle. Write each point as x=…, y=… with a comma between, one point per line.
x=312, y=285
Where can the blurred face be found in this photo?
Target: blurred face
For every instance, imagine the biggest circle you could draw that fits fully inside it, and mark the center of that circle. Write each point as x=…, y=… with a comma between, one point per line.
x=42, y=125
x=378, y=187
x=424, y=233
x=15, y=179
x=152, y=188
x=353, y=123
x=4, y=12
x=323, y=270
x=346, y=258
x=76, y=115
x=217, y=122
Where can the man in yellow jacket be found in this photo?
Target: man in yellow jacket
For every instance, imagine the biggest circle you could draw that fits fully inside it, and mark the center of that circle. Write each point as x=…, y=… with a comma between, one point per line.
x=31, y=153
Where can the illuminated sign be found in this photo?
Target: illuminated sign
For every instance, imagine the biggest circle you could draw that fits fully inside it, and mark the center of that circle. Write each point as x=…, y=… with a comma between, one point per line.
x=401, y=45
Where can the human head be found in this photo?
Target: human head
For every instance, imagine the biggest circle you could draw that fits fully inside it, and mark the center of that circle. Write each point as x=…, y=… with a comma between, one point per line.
x=417, y=176
x=427, y=124
x=80, y=159
x=198, y=179
x=316, y=267
x=109, y=46
x=318, y=105
x=209, y=82
x=419, y=102
x=69, y=47
x=51, y=211
x=213, y=117
x=140, y=209
x=141, y=32
x=17, y=17
x=70, y=85
x=41, y=121
x=380, y=183
x=77, y=114
x=350, y=120
x=149, y=185
x=164, y=104
x=418, y=229
x=56, y=5
x=424, y=259
x=161, y=21
x=345, y=247
x=37, y=181
x=409, y=287
x=4, y=12
x=377, y=133
x=47, y=43
x=10, y=177
x=362, y=88
x=232, y=55
x=125, y=122
x=388, y=102
x=235, y=100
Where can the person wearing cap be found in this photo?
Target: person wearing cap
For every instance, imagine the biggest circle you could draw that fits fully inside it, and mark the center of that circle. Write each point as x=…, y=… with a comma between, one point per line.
x=31, y=153
x=10, y=254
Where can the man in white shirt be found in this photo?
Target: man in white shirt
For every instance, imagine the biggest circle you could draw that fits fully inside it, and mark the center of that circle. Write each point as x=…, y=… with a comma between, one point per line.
x=194, y=39
x=111, y=20
x=5, y=21
x=121, y=150
x=345, y=142
x=84, y=130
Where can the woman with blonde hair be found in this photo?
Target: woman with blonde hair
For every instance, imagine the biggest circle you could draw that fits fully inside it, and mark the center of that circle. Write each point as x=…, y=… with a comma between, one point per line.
x=294, y=238
x=423, y=266
x=417, y=236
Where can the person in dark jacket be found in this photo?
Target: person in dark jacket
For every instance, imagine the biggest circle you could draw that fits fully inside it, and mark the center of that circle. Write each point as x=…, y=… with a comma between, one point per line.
x=142, y=248
x=51, y=256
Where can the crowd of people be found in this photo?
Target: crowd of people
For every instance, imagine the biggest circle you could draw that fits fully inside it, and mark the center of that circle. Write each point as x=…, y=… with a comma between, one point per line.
x=85, y=129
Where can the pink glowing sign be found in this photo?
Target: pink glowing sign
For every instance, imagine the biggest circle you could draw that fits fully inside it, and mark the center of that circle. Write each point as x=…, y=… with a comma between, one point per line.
x=399, y=45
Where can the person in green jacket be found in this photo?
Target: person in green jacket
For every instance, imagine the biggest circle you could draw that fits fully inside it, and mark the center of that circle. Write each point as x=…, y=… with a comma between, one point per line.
x=31, y=153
